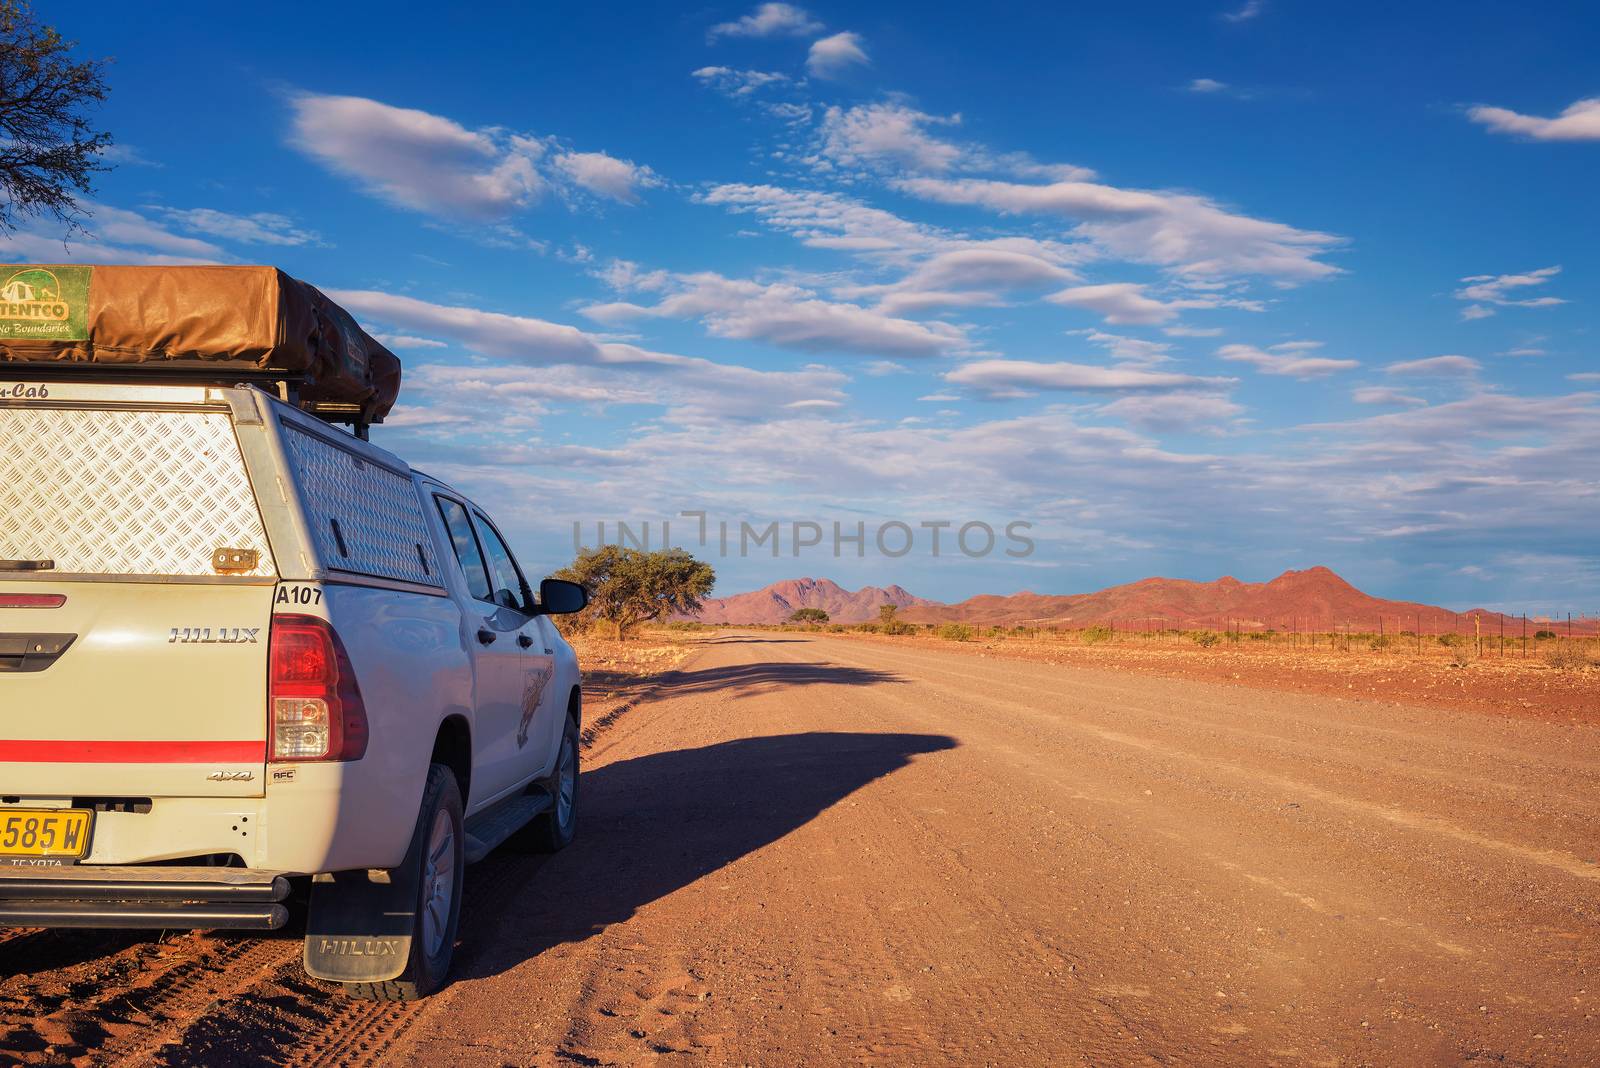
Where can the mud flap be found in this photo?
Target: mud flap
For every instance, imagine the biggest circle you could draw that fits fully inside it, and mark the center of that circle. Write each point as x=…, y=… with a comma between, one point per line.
x=360, y=924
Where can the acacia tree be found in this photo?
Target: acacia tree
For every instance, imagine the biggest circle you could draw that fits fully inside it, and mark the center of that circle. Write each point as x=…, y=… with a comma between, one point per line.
x=628, y=587
x=808, y=615
x=49, y=150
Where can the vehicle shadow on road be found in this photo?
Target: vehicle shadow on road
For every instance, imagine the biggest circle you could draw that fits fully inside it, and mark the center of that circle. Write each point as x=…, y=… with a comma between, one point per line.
x=655, y=824
x=748, y=680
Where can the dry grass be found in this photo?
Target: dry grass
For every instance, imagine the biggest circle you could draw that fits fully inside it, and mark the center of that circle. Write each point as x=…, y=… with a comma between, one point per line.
x=616, y=673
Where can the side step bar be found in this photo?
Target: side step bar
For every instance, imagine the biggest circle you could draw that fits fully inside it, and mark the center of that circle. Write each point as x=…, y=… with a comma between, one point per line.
x=488, y=829
x=149, y=897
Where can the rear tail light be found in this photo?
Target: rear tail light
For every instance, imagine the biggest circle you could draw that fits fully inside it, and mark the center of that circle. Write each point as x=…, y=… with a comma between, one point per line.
x=31, y=600
x=316, y=712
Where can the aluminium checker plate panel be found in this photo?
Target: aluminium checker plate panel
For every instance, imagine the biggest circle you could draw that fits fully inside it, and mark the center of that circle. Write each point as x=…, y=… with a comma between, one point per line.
x=123, y=492
x=363, y=517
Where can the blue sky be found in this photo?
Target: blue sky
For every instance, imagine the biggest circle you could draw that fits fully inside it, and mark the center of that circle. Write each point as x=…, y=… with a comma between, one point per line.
x=1193, y=289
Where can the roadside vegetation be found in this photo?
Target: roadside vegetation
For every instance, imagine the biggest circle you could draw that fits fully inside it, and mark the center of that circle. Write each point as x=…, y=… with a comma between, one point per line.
x=628, y=587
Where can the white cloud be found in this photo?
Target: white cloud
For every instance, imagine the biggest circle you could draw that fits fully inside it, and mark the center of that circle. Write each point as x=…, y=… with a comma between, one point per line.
x=1244, y=13
x=1385, y=396
x=1179, y=412
x=418, y=160
x=891, y=133
x=1498, y=289
x=1206, y=85
x=700, y=389
x=261, y=228
x=1186, y=233
x=1192, y=331
x=607, y=176
x=409, y=341
x=1286, y=359
x=736, y=83
x=432, y=164
x=1124, y=303
x=836, y=56
x=768, y=20
x=1008, y=377
x=883, y=368
x=964, y=277
x=1435, y=366
x=830, y=220
x=110, y=235
x=1127, y=349
x=895, y=138
x=1579, y=122
x=789, y=317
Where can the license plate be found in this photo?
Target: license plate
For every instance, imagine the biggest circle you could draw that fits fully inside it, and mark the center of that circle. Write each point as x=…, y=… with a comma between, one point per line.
x=60, y=833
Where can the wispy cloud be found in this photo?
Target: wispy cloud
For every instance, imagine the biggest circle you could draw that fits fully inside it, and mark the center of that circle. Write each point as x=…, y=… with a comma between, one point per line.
x=1009, y=377
x=259, y=228
x=1436, y=367
x=768, y=20
x=788, y=316
x=1189, y=234
x=1579, y=122
x=1484, y=289
x=738, y=83
x=1244, y=13
x=429, y=163
x=1287, y=359
x=836, y=56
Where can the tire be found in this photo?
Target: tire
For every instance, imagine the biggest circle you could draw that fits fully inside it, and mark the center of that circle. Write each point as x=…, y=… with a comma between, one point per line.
x=438, y=841
x=554, y=830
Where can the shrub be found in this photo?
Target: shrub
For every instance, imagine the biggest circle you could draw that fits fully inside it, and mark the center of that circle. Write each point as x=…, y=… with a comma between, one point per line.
x=1461, y=654
x=956, y=632
x=1543, y=635
x=1451, y=640
x=808, y=615
x=1094, y=635
x=1378, y=643
x=1567, y=657
x=1205, y=639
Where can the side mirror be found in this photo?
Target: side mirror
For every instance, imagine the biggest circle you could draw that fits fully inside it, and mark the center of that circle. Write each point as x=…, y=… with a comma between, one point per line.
x=558, y=597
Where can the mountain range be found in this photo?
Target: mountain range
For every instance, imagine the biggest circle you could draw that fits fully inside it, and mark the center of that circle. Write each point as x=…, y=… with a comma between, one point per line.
x=775, y=603
x=1315, y=599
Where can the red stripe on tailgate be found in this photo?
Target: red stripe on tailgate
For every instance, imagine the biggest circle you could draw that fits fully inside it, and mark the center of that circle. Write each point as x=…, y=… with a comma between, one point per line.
x=140, y=752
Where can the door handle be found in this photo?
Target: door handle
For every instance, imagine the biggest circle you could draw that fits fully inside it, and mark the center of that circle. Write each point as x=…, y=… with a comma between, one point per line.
x=485, y=636
x=524, y=641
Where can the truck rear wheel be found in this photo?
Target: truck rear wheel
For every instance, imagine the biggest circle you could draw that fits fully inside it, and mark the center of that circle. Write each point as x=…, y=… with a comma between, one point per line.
x=438, y=841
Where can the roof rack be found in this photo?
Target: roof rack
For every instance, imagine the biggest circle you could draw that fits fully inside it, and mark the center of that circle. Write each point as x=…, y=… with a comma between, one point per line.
x=283, y=383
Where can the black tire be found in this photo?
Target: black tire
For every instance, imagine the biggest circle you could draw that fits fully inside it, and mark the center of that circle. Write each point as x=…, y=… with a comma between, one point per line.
x=425, y=972
x=554, y=830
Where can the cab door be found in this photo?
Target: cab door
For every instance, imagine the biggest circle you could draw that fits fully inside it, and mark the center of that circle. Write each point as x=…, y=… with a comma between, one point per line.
x=496, y=633
x=532, y=752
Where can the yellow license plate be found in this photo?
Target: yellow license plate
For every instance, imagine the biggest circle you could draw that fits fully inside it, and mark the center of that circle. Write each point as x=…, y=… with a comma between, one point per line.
x=53, y=832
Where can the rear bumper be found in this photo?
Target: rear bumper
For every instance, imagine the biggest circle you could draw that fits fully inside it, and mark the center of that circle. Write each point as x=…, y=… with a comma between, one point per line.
x=136, y=896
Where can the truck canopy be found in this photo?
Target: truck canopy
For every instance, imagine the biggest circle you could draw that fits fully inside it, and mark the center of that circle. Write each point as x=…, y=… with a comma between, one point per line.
x=205, y=322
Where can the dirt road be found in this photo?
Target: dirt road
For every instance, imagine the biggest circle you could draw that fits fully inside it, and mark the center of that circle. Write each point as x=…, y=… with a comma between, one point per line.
x=815, y=850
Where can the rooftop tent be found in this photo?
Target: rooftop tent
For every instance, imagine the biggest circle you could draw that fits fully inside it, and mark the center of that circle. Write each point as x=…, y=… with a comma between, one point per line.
x=217, y=324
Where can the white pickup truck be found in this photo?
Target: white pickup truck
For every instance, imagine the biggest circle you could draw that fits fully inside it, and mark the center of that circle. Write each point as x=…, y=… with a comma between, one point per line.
x=247, y=658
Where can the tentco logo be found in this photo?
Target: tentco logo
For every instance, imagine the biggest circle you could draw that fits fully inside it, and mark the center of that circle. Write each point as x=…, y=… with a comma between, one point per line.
x=33, y=294
x=45, y=303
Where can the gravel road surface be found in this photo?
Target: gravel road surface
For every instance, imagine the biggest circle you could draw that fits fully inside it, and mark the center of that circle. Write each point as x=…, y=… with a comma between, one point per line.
x=808, y=850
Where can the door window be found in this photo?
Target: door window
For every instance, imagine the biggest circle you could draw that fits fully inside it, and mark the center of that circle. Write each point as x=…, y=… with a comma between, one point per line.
x=509, y=588
x=466, y=547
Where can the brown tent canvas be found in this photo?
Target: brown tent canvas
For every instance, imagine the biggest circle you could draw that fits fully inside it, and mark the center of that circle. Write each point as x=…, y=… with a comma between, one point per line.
x=202, y=318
